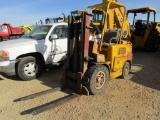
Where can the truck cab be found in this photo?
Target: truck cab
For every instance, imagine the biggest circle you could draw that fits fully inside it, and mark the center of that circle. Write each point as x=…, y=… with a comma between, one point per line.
x=7, y=31
x=3, y=31
x=29, y=55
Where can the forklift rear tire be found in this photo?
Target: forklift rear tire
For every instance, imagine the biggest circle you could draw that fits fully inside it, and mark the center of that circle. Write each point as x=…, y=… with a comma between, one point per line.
x=29, y=68
x=152, y=43
x=98, y=79
x=125, y=71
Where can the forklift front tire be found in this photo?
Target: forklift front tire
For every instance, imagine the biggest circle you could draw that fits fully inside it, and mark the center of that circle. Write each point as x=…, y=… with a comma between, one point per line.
x=98, y=76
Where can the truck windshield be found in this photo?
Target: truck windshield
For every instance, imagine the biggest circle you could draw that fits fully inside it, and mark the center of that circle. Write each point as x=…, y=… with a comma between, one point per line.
x=144, y=22
x=3, y=28
x=39, y=32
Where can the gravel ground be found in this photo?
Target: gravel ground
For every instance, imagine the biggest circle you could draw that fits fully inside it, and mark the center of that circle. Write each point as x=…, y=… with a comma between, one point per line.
x=135, y=99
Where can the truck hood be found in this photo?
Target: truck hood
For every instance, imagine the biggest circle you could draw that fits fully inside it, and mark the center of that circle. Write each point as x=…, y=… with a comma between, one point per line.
x=16, y=42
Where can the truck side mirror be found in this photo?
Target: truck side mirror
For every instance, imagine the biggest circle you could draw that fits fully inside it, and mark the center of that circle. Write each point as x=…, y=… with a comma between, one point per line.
x=53, y=37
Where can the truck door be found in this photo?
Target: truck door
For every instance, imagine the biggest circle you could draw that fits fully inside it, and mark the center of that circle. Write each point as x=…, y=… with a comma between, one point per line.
x=59, y=46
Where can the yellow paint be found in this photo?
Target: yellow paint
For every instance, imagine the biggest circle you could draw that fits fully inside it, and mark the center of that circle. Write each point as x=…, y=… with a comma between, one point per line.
x=27, y=29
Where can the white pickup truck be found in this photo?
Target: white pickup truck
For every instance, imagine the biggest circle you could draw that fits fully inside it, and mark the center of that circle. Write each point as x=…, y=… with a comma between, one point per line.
x=29, y=55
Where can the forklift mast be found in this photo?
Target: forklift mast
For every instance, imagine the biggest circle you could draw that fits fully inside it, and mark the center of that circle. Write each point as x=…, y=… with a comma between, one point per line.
x=78, y=47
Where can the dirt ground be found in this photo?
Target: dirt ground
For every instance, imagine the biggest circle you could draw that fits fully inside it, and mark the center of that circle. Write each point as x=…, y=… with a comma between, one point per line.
x=135, y=99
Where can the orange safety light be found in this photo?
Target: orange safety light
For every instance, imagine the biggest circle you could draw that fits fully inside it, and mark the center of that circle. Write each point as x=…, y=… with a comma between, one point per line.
x=4, y=53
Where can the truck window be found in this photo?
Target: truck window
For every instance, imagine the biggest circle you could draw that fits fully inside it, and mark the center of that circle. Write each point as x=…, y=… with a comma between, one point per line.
x=1, y=28
x=4, y=28
x=61, y=31
x=39, y=32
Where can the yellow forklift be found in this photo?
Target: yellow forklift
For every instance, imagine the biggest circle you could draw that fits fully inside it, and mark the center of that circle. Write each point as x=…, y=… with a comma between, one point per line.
x=92, y=63
x=144, y=32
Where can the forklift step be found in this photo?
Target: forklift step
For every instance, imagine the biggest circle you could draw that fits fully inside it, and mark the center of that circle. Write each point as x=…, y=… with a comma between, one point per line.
x=55, y=104
x=38, y=94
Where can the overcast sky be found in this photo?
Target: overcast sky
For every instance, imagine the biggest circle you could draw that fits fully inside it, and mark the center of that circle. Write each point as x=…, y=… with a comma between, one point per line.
x=20, y=12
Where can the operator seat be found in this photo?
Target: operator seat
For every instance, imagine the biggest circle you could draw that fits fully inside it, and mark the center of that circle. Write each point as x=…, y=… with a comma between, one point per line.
x=111, y=36
x=138, y=25
x=138, y=28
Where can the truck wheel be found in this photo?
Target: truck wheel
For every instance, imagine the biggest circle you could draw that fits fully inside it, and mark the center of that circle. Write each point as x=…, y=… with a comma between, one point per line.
x=125, y=71
x=29, y=68
x=1, y=39
x=98, y=78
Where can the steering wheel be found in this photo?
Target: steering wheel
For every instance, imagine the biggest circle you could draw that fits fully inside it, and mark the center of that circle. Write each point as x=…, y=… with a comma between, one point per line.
x=95, y=29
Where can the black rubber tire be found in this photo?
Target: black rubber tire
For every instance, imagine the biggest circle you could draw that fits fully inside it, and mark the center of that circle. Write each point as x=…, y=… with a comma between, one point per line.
x=91, y=73
x=125, y=70
x=1, y=39
x=153, y=41
x=23, y=62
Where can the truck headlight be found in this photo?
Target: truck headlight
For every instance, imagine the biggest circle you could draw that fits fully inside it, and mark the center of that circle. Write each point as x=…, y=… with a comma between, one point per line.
x=4, y=55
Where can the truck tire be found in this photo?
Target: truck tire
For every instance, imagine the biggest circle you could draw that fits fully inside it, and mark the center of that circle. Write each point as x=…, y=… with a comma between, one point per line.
x=1, y=39
x=29, y=68
x=125, y=70
x=98, y=79
x=153, y=41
